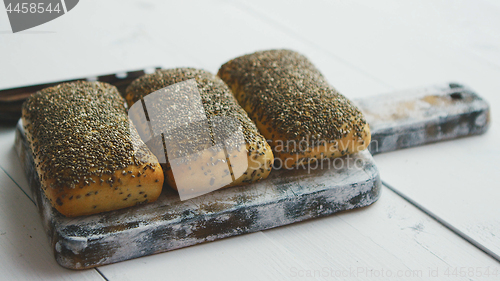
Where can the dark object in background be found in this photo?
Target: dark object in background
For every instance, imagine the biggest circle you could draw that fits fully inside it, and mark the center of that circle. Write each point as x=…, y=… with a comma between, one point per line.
x=12, y=99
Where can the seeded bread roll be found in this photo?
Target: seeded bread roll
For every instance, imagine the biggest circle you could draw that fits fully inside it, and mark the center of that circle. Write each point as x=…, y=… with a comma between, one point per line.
x=199, y=170
x=87, y=153
x=294, y=106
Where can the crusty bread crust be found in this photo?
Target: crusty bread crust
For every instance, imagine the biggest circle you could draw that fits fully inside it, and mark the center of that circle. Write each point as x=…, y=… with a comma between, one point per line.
x=133, y=185
x=287, y=150
x=344, y=146
x=198, y=175
x=195, y=174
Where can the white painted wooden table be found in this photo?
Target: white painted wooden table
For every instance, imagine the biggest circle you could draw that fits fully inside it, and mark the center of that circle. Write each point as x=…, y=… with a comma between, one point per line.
x=363, y=48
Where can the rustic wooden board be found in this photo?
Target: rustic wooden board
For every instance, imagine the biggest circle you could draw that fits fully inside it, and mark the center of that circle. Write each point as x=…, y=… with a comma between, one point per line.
x=415, y=117
x=403, y=45
x=287, y=196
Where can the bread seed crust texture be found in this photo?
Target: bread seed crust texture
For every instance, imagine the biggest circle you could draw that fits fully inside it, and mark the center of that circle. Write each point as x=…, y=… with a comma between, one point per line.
x=291, y=101
x=88, y=155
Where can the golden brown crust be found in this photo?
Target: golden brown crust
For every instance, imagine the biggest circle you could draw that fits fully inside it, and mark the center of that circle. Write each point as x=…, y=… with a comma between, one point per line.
x=295, y=108
x=97, y=187
x=217, y=101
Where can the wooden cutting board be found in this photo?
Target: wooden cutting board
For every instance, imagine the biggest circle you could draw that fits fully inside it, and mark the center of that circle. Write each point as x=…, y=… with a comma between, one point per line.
x=397, y=120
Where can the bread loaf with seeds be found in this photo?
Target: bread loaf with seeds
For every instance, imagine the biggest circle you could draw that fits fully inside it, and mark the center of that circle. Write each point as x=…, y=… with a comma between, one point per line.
x=88, y=156
x=198, y=169
x=295, y=108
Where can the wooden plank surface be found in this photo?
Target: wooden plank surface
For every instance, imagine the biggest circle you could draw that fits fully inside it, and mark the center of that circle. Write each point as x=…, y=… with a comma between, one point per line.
x=363, y=48
x=9, y=162
x=25, y=253
x=388, y=236
x=405, y=45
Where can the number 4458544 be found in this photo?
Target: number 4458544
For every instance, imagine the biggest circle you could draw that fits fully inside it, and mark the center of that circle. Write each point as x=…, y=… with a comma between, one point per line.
x=33, y=8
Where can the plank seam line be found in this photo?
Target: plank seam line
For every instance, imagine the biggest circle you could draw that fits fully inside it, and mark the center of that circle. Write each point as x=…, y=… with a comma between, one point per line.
x=444, y=223
x=100, y=273
x=12, y=179
x=33, y=201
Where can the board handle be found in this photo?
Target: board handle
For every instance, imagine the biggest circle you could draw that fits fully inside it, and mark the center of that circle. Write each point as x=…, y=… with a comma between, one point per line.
x=426, y=115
